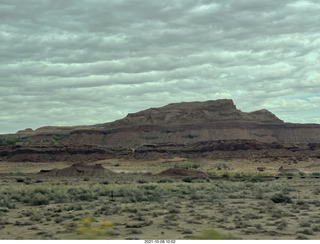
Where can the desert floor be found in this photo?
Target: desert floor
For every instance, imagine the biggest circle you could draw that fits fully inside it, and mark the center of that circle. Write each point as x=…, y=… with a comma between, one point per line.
x=235, y=201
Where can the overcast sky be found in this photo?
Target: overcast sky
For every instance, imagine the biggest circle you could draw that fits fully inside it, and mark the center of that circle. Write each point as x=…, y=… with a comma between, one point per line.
x=82, y=62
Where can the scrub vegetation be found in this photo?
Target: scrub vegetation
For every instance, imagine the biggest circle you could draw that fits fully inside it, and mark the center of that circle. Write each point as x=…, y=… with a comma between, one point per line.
x=145, y=206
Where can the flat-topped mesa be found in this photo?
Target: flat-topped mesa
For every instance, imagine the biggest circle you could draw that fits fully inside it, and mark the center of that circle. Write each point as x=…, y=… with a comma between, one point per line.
x=174, y=123
x=196, y=113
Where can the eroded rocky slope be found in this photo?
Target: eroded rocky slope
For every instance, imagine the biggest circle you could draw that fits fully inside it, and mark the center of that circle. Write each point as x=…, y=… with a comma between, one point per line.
x=209, y=129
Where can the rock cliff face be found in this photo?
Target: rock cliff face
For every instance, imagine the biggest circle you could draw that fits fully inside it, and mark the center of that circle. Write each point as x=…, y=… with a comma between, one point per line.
x=178, y=126
x=182, y=123
x=222, y=150
x=195, y=113
x=186, y=123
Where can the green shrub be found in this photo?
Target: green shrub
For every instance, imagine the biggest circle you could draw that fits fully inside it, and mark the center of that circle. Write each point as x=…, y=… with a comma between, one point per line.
x=316, y=191
x=60, y=197
x=302, y=173
x=75, y=207
x=132, y=194
x=174, y=210
x=211, y=174
x=187, y=180
x=315, y=175
x=258, y=193
x=282, y=224
x=300, y=202
x=20, y=180
x=82, y=194
x=142, y=181
x=4, y=210
x=39, y=199
x=221, y=166
x=35, y=217
x=225, y=175
x=305, y=224
x=150, y=187
x=256, y=178
x=12, y=141
x=306, y=232
x=87, y=195
x=6, y=203
x=280, y=198
x=58, y=220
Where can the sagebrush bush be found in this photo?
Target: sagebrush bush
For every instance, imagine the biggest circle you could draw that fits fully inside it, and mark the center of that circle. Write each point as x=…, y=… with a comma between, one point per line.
x=6, y=202
x=280, y=198
x=38, y=199
x=257, y=178
x=20, y=179
x=187, y=179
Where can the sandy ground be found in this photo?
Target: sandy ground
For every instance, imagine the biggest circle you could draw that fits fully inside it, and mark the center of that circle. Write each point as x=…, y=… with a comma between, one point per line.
x=148, y=207
x=156, y=166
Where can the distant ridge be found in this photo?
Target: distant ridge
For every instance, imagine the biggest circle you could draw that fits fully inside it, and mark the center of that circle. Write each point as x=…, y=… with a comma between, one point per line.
x=211, y=129
x=182, y=123
x=194, y=113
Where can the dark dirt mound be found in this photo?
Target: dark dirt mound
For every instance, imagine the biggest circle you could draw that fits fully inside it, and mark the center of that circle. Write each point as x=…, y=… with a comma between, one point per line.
x=183, y=172
x=80, y=169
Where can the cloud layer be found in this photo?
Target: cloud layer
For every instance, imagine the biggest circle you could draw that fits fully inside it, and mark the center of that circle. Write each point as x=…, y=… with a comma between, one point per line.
x=84, y=62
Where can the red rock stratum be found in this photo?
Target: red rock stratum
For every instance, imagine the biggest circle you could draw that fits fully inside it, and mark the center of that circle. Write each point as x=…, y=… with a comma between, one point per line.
x=193, y=129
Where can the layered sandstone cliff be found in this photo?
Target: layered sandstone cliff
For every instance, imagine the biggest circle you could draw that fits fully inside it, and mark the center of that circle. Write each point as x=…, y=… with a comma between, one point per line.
x=182, y=123
x=186, y=129
x=196, y=121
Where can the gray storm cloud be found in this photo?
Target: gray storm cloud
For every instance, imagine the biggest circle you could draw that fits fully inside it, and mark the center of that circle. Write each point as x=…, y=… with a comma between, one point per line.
x=86, y=62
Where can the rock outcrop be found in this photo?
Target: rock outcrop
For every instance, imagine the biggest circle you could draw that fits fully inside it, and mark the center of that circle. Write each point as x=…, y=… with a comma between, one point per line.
x=195, y=113
x=185, y=123
x=224, y=150
x=192, y=129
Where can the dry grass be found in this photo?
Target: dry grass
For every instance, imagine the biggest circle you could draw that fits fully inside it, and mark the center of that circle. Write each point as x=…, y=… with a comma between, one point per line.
x=243, y=205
